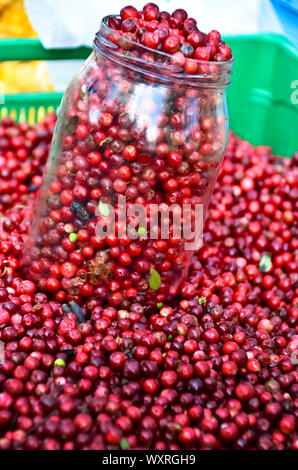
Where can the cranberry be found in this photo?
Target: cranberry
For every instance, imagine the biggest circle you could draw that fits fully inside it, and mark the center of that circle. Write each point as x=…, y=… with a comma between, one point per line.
x=128, y=12
x=171, y=44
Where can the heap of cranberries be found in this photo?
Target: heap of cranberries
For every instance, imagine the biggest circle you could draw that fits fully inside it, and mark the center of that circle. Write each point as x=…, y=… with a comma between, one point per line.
x=175, y=34
x=23, y=153
x=217, y=370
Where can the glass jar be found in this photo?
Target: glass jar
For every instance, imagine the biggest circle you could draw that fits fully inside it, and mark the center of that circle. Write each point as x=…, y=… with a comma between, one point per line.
x=135, y=154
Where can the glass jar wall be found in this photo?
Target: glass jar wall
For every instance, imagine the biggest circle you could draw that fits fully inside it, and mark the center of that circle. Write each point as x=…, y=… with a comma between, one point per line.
x=136, y=138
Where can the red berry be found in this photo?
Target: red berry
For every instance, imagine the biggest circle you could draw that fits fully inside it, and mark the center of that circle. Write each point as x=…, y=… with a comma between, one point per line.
x=201, y=53
x=128, y=12
x=171, y=44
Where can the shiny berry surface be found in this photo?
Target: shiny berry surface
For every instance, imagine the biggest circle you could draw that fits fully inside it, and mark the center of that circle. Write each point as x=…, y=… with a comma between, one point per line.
x=216, y=370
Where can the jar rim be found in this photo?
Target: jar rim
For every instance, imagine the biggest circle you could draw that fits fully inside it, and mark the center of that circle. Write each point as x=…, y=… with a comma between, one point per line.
x=213, y=74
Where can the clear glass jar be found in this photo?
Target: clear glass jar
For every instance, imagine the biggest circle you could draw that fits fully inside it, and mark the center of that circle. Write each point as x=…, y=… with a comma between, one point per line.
x=134, y=133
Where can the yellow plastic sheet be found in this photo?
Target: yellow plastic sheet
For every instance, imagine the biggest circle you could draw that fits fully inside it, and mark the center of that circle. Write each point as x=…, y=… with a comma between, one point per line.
x=19, y=77
x=14, y=21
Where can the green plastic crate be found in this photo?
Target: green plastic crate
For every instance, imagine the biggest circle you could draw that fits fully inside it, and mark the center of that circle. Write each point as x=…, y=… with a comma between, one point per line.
x=31, y=107
x=262, y=101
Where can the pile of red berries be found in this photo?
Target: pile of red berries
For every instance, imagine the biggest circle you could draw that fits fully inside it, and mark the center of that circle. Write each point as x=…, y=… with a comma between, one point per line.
x=23, y=153
x=174, y=34
x=216, y=371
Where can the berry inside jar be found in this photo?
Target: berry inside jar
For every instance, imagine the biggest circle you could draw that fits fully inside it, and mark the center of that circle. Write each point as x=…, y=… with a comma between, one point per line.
x=134, y=159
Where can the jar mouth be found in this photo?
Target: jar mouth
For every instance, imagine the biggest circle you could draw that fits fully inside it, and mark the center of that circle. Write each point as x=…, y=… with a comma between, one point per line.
x=158, y=64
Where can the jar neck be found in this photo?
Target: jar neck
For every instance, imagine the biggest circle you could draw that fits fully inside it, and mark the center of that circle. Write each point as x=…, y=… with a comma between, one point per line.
x=157, y=65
